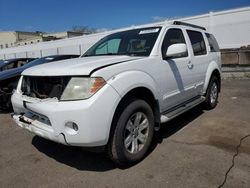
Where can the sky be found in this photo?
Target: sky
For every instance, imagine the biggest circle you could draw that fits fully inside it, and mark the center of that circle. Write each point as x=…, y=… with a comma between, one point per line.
x=62, y=15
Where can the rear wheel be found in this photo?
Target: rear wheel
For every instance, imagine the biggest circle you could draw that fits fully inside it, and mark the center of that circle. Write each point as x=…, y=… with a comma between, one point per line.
x=133, y=132
x=212, y=93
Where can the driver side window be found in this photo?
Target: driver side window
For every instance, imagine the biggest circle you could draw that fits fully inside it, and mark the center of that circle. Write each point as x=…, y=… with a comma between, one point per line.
x=20, y=63
x=111, y=46
x=173, y=36
x=9, y=66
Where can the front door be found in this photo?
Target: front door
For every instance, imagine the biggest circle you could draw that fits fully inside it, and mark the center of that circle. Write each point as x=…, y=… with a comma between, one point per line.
x=179, y=85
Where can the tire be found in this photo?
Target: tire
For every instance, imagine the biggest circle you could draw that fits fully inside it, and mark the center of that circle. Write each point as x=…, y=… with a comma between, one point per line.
x=134, y=125
x=212, y=93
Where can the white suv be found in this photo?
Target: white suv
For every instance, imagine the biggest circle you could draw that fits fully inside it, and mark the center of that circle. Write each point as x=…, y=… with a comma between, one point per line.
x=122, y=89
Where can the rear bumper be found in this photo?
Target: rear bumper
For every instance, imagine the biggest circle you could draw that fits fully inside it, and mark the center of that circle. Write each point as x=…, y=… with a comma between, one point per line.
x=49, y=119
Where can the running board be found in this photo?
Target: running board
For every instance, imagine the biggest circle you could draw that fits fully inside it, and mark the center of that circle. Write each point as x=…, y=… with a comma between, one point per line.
x=170, y=114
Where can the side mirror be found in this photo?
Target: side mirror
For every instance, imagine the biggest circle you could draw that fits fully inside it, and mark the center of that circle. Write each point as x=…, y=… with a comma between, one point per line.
x=176, y=50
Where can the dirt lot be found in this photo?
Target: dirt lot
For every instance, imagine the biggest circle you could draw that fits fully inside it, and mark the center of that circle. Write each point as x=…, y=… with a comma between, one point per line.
x=198, y=149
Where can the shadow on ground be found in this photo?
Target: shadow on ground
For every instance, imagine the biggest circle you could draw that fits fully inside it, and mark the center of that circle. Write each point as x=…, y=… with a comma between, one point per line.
x=75, y=157
x=83, y=160
x=175, y=125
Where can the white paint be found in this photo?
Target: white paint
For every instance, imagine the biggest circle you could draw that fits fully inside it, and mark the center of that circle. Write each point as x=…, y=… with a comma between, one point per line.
x=176, y=49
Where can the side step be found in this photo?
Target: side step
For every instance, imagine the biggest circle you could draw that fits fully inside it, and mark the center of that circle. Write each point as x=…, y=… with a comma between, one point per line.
x=170, y=114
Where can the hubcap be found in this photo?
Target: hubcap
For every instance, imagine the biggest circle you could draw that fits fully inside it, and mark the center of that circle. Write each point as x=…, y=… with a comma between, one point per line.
x=136, y=132
x=214, y=93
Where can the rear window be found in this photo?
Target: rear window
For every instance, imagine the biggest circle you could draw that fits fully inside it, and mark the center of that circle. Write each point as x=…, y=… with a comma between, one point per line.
x=214, y=47
x=198, y=43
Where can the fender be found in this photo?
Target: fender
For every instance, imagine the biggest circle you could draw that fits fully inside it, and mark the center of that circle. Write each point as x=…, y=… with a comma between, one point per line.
x=211, y=67
x=128, y=80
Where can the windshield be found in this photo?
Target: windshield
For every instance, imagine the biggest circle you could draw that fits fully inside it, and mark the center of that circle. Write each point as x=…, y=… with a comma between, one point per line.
x=137, y=42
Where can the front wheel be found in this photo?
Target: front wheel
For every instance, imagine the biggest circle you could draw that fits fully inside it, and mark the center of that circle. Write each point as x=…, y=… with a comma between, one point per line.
x=133, y=132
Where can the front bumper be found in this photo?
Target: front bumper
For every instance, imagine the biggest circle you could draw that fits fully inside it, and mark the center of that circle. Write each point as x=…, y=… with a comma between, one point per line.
x=48, y=118
x=37, y=127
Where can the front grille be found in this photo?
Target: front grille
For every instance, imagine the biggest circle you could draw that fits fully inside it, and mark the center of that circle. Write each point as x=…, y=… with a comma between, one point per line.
x=44, y=87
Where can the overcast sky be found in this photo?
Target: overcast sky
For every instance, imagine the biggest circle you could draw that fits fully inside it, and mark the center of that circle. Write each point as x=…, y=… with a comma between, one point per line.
x=61, y=15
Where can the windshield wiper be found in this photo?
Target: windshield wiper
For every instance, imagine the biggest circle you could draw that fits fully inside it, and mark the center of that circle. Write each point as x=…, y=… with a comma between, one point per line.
x=124, y=53
x=98, y=54
x=128, y=54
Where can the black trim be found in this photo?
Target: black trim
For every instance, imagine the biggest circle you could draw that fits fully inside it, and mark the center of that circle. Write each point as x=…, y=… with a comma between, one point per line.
x=188, y=24
x=104, y=66
x=181, y=104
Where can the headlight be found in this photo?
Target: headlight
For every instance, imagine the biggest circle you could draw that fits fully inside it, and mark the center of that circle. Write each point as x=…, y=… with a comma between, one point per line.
x=82, y=88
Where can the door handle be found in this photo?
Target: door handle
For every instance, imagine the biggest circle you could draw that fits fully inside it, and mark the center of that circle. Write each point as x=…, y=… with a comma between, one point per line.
x=190, y=65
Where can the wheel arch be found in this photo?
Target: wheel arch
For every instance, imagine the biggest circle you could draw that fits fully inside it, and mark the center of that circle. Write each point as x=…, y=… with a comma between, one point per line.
x=142, y=93
x=212, y=70
x=217, y=74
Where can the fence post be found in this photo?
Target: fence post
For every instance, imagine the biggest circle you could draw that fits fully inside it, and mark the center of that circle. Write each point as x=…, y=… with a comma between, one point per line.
x=80, y=48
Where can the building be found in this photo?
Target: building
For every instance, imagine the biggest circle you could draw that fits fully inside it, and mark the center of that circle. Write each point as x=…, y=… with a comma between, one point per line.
x=49, y=37
x=11, y=38
x=63, y=35
x=20, y=38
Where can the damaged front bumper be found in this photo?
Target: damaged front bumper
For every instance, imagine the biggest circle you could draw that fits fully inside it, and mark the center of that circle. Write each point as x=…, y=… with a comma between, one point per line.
x=33, y=124
x=83, y=123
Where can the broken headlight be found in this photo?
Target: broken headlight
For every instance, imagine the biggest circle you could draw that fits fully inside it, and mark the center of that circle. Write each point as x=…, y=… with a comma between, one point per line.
x=82, y=88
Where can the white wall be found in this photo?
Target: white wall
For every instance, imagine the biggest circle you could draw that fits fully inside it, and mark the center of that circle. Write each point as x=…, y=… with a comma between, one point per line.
x=231, y=28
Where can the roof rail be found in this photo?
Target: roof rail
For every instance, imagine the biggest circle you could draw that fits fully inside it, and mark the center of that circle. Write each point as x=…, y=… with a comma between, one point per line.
x=188, y=24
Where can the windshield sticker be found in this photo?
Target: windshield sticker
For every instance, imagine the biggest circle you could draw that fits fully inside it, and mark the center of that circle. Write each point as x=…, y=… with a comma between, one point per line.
x=148, y=31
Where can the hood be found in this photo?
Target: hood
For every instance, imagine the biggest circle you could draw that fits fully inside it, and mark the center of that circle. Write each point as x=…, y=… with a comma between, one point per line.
x=79, y=66
x=10, y=73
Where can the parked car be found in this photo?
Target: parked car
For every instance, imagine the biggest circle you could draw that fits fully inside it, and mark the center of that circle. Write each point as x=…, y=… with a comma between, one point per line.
x=123, y=88
x=14, y=63
x=10, y=77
